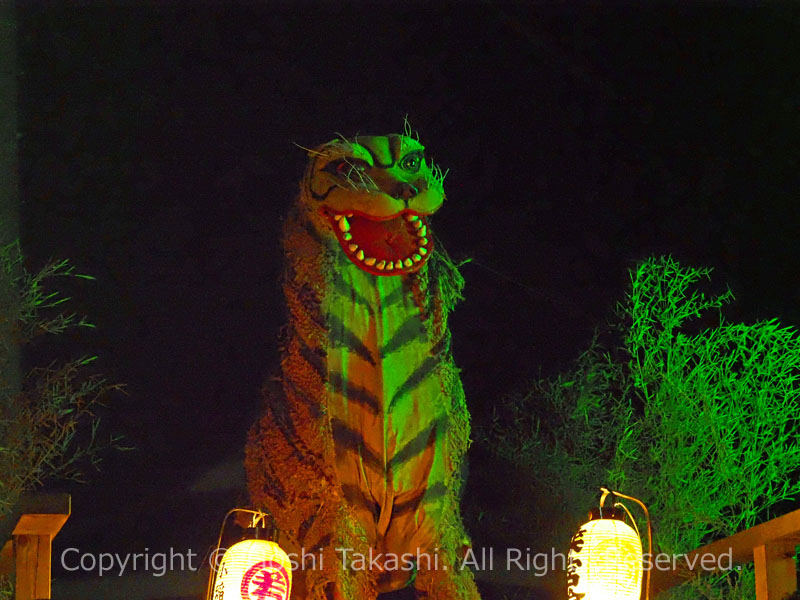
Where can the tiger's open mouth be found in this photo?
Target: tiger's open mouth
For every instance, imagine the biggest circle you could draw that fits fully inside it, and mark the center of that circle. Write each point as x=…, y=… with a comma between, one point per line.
x=383, y=246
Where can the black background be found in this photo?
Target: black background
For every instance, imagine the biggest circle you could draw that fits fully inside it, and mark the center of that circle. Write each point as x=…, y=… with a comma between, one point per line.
x=158, y=154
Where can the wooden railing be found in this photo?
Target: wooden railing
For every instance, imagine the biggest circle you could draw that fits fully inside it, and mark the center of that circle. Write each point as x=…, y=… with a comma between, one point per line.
x=27, y=554
x=770, y=546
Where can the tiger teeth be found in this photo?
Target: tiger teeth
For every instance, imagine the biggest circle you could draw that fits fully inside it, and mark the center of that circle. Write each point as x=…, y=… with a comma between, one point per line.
x=419, y=228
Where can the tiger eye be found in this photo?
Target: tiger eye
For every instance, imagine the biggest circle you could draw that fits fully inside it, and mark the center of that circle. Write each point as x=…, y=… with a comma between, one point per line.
x=412, y=162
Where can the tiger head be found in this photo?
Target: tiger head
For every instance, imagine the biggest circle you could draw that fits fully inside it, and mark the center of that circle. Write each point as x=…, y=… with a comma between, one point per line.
x=374, y=195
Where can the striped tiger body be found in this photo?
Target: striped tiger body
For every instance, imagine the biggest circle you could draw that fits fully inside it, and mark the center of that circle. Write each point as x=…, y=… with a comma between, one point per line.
x=359, y=453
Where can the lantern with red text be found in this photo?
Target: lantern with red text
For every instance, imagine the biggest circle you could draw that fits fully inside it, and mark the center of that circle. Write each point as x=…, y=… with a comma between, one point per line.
x=605, y=559
x=252, y=569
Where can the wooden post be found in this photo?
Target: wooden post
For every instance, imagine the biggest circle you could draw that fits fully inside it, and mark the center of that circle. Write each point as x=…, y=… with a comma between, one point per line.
x=38, y=519
x=776, y=573
x=33, y=542
x=33, y=559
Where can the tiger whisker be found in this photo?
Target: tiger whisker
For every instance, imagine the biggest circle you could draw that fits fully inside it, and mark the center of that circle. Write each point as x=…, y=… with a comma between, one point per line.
x=309, y=151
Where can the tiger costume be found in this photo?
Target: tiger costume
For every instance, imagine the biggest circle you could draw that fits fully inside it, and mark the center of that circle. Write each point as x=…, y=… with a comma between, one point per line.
x=359, y=453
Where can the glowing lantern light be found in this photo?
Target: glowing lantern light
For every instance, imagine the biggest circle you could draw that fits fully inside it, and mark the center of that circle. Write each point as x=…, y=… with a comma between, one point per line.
x=605, y=557
x=253, y=569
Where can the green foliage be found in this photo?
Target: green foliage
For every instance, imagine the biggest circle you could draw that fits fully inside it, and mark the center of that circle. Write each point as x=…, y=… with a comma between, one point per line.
x=696, y=420
x=6, y=588
x=44, y=421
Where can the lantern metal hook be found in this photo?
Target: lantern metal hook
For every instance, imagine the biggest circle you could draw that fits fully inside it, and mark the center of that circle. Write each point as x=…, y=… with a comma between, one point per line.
x=256, y=517
x=607, y=493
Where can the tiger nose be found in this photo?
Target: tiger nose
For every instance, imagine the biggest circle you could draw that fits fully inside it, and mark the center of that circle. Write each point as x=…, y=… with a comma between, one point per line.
x=405, y=191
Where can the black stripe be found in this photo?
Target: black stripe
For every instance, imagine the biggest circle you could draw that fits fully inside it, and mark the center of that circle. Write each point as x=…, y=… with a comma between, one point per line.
x=305, y=526
x=306, y=295
x=313, y=233
x=399, y=576
x=430, y=494
x=276, y=489
x=349, y=292
x=277, y=411
x=342, y=336
x=409, y=331
x=287, y=429
x=281, y=420
x=317, y=196
x=397, y=295
x=375, y=160
x=414, y=380
x=443, y=345
x=354, y=393
x=346, y=439
x=330, y=591
x=313, y=405
x=272, y=482
x=355, y=496
x=421, y=442
x=315, y=358
x=323, y=541
x=395, y=147
x=286, y=425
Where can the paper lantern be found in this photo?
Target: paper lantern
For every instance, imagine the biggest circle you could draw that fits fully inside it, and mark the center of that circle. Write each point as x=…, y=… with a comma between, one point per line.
x=605, y=560
x=253, y=570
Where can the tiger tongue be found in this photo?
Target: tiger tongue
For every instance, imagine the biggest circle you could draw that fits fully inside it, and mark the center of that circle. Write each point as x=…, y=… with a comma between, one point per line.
x=388, y=239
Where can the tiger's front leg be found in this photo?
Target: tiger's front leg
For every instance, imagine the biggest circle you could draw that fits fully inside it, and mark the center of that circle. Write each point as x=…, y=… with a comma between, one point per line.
x=435, y=539
x=289, y=476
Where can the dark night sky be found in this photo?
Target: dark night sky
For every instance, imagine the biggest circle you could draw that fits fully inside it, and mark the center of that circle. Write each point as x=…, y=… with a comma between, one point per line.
x=157, y=154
